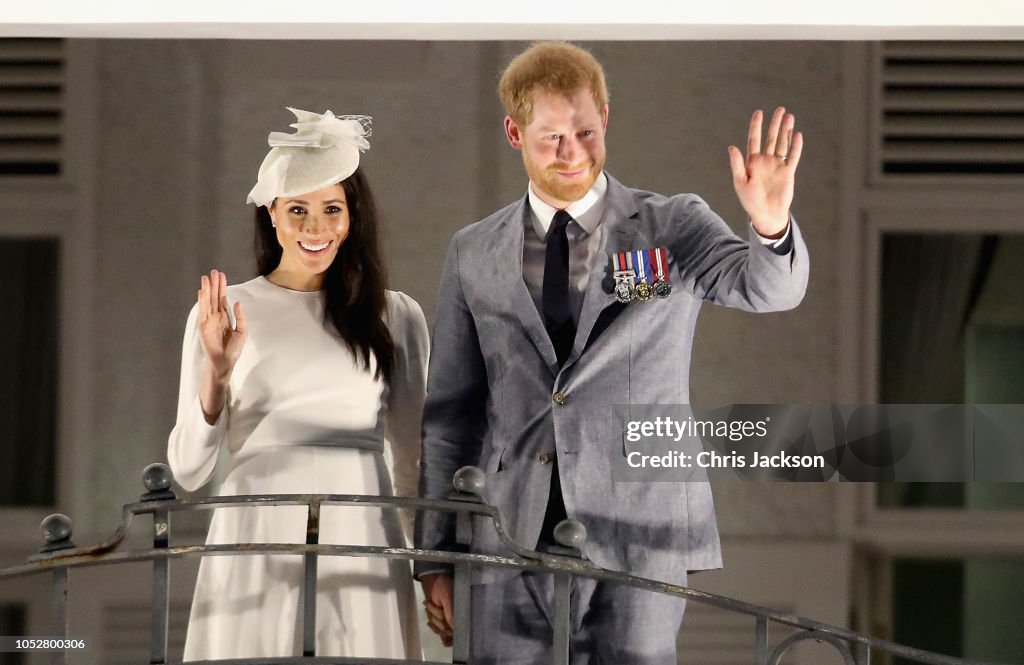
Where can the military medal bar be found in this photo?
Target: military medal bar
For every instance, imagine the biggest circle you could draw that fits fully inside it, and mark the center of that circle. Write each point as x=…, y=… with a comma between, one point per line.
x=624, y=277
x=659, y=264
x=644, y=291
x=641, y=274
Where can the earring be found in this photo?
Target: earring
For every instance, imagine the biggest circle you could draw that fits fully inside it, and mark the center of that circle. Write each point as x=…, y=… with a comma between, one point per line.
x=272, y=224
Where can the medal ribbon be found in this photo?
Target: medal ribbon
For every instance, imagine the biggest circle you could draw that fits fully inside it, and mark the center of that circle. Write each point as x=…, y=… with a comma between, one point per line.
x=659, y=263
x=640, y=260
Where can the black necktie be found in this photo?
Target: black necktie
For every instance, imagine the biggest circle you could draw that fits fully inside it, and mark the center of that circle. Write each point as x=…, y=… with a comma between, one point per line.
x=555, y=297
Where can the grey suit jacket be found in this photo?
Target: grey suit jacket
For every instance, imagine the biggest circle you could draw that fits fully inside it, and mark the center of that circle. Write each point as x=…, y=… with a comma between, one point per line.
x=493, y=376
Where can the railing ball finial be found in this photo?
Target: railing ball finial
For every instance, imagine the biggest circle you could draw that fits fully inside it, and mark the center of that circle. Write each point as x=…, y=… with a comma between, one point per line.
x=157, y=478
x=470, y=480
x=570, y=533
x=56, y=529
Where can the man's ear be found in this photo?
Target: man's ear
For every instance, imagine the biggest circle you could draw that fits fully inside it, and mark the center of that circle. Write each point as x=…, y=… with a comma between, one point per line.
x=513, y=133
x=604, y=118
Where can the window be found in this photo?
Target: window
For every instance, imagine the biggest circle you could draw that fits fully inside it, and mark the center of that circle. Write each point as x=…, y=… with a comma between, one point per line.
x=28, y=367
x=12, y=624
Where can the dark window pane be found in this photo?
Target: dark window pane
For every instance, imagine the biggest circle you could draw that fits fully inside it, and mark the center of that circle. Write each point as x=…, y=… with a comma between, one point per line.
x=927, y=606
x=28, y=370
x=12, y=623
x=968, y=608
x=939, y=293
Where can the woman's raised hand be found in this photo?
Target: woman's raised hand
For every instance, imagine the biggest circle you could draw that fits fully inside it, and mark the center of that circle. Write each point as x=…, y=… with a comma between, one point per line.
x=221, y=343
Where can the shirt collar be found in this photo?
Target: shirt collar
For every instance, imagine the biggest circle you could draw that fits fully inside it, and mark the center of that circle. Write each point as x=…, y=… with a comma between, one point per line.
x=586, y=211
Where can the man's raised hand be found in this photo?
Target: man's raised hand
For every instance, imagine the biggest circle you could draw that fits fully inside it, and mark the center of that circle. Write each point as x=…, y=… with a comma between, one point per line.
x=764, y=179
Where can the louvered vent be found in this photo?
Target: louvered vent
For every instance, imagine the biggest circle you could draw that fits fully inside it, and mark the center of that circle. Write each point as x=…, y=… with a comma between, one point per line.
x=952, y=108
x=31, y=97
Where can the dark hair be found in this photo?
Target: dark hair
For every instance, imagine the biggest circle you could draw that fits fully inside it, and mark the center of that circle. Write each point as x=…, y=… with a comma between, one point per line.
x=354, y=284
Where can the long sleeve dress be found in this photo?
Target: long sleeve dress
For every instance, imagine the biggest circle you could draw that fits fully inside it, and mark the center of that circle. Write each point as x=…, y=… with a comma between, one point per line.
x=303, y=417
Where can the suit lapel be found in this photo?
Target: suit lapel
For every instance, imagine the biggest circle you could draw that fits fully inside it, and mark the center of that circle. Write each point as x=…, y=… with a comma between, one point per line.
x=510, y=286
x=599, y=304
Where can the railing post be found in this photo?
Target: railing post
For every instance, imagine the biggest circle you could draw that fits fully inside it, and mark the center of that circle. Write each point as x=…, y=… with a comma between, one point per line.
x=571, y=535
x=56, y=530
x=157, y=479
x=60, y=612
x=761, y=641
x=862, y=653
x=309, y=582
x=469, y=487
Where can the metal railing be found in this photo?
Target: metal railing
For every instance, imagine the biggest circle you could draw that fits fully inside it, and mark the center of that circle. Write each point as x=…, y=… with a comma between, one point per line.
x=59, y=555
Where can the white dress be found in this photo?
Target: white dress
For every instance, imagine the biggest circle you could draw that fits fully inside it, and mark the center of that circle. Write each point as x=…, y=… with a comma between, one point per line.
x=302, y=417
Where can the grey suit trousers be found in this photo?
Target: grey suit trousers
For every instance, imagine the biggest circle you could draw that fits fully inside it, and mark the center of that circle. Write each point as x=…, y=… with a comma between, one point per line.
x=610, y=624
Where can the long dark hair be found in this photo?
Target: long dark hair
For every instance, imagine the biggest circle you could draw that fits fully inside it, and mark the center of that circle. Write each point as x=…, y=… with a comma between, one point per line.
x=354, y=284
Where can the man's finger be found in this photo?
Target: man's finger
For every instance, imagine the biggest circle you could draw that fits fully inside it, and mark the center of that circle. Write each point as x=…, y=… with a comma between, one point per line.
x=794, y=153
x=785, y=136
x=436, y=625
x=739, y=169
x=445, y=632
x=446, y=605
x=773, y=131
x=754, y=135
x=434, y=611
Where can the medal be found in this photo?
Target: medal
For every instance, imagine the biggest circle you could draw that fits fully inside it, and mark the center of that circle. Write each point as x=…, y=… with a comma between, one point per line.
x=623, y=292
x=662, y=287
x=644, y=291
x=623, y=278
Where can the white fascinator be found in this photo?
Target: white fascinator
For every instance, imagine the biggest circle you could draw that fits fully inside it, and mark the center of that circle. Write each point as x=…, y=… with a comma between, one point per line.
x=322, y=152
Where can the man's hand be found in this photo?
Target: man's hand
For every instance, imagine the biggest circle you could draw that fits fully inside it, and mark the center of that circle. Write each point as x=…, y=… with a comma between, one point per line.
x=437, y=592
x=764, y=181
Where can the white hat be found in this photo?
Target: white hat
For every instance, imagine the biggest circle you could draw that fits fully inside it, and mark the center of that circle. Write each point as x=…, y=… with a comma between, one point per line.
x=323, y=152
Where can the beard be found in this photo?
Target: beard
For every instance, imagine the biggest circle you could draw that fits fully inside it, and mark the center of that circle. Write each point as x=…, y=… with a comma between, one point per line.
x=549, y=182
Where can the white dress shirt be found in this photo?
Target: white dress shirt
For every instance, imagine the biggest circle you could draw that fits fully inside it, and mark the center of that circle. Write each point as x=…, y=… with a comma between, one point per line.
x=584, y=232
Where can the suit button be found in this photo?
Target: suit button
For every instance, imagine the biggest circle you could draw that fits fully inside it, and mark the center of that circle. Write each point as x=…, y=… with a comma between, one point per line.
x=544, y=458
x=559, y=399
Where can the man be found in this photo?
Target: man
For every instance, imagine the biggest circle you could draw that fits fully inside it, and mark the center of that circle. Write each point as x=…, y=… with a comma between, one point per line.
x=555, y=309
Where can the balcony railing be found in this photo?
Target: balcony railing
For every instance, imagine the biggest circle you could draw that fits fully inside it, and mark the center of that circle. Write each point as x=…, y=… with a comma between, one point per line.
x=59, y=555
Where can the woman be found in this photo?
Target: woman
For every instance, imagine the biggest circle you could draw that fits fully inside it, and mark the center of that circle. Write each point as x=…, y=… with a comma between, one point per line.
x=320, y=367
